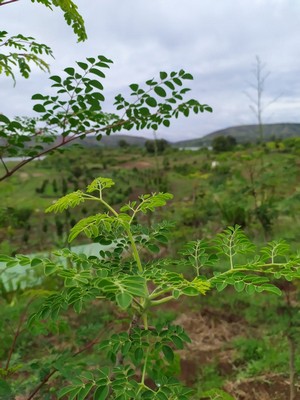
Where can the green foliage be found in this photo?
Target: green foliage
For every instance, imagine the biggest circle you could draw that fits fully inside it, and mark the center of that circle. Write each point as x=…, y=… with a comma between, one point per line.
x=198, y=256
x=233, y=241
x=122, y=276
x=99, y=184
x=10, y=216
x=258, y=356
x=70, y=200
x=156, y=146
x=76, y=111
x=71, y=15
x=137, y=361
x=5, y=390
x=275, y=249
x=24, y=51
x=123, y=144
x=223, y=143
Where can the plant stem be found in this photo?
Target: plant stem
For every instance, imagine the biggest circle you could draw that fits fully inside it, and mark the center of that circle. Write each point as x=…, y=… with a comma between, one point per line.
x=292, y=346
x=145, y=367
x=135, y=252
x=4, y=165
x=243, y=268
x=8, y=2
x=129, y=234
x=108, y=207
x=197, y=267
x=44, y=381
x=145, y=321
x=155, y=294
x=230, y=253
x=162, y=301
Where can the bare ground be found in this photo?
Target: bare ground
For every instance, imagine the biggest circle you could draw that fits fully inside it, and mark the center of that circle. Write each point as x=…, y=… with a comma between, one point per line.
x=211, y=333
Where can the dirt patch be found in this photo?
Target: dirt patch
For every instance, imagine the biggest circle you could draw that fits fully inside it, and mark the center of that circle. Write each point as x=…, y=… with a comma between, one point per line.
x=268, y=387
x=37, y=174
x=24, y=176
x=210, y=330
x=136, y=164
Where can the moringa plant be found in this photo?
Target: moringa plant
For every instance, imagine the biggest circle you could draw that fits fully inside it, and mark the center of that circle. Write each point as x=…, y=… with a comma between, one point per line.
x=140, y=358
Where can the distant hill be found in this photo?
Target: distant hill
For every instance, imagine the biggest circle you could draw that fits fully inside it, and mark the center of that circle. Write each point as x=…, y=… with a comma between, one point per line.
x=106, y=141
x=112, y=141
x=245, y=133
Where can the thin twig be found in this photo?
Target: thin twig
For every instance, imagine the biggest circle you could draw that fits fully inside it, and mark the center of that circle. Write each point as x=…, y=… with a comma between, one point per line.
x=17, y=333
x=7, y=2
x=45, y=380
x=4, y=165
x=120, y=122
x=70, y=139
x=51, y=373
x=62, y=143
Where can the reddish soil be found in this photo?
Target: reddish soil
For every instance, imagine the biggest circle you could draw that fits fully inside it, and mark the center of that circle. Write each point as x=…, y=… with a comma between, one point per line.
x=268, y=387
x=211, y=333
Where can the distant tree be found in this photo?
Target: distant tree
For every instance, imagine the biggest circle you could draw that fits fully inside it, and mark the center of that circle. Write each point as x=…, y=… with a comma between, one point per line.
x=166, y=164
x=256, y=96
x=54, y=186
x=123, y=144
x=223, y=143
x=64, y=186
x=160, y=144
x=77, y=172
x=59, y=227
x=43, y=187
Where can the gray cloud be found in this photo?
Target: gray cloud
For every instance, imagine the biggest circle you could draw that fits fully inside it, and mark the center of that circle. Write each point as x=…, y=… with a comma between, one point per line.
x=216, y=41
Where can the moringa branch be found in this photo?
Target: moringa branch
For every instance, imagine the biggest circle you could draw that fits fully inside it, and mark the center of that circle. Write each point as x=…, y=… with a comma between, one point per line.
x=63, y=142
x=4, y=3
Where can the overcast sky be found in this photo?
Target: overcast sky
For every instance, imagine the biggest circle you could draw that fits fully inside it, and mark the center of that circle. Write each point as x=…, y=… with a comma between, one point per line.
x=216, y=41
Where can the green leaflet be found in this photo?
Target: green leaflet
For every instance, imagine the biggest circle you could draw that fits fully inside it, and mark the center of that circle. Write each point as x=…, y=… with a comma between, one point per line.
x=92, y=226
x=168, y=353
x=101, y=393
x=124, y=300
x=100, y=184
x=5, y=390
x=151, y=201
x=71, y=15
x=275, y=249
x=70, y=200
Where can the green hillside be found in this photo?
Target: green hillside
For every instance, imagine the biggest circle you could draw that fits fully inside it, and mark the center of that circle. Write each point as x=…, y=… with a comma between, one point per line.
x=113, y=141
x=246, y=133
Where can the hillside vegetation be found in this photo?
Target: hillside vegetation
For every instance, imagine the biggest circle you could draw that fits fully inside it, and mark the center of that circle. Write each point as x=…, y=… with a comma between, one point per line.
x=246, y=134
